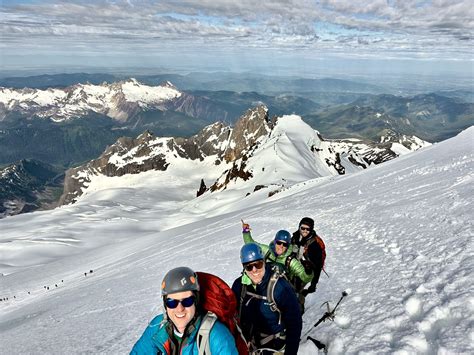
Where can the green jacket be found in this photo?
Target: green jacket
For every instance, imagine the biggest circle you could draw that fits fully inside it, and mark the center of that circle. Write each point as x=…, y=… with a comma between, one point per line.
x=294, y=269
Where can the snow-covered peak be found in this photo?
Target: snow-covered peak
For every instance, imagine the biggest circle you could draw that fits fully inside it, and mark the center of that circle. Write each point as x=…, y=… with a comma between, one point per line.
x=295, y=128
x=148, y=95
x=117, y=100
x=13, y=98
x=293, y=142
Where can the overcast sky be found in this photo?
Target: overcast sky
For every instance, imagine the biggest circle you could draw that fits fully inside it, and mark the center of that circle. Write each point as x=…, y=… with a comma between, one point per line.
x=238, y=35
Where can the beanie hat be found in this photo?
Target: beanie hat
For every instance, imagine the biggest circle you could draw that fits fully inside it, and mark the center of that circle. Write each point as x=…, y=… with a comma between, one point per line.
x=307, y=221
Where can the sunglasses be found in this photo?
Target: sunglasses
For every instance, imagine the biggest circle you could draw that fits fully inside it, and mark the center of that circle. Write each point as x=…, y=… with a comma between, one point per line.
x=305, y=229
x=279, y=242
x=258, y=265
x=186, y=302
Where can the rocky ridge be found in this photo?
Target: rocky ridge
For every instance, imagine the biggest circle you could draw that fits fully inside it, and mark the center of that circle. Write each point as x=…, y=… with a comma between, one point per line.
x=242, y=153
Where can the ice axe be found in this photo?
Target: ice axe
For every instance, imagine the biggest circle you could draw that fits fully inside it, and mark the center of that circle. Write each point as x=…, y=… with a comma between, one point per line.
x=330, y=314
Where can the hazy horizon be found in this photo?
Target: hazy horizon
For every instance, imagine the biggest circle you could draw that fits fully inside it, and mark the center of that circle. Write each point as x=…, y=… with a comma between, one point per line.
x=303, y=38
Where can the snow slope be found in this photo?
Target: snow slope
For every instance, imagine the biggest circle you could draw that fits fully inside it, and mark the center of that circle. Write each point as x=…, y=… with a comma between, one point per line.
x=398, y=236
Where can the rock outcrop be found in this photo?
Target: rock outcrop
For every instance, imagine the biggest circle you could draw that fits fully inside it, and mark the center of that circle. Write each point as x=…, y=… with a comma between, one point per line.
x=248, y=130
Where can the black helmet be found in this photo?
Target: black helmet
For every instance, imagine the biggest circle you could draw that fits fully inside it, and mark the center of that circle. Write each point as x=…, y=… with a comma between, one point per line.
x=307, y=221
x=179, y=280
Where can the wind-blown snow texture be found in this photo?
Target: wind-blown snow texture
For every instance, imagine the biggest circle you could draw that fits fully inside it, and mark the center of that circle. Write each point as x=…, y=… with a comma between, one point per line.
x=398, y=235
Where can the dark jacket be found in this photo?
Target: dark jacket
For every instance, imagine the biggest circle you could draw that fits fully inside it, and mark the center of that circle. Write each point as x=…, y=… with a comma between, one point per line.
x=314, y=253
x=257, y=318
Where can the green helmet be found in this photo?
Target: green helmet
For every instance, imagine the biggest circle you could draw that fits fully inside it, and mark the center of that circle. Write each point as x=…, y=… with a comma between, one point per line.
x=178, y=280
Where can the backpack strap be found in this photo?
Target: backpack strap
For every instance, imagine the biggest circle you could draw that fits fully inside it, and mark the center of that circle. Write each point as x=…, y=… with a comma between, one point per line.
x=267, y=338
x=310, y=241
x=242, y=296
x=267, y=351
x=203, y=343
x=267, y=255
x=270, y=292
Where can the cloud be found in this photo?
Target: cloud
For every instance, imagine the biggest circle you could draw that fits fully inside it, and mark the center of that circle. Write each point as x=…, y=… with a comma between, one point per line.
x=378, y=25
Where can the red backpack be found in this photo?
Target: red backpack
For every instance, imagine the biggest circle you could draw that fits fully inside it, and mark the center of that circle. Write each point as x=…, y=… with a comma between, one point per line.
x=318, y=240
x=217, y=297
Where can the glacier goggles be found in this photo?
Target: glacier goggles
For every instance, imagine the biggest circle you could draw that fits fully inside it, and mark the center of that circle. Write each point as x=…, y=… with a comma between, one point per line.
x=257, y=264
x=186, y=302
x=280, y=242
x=305, y=228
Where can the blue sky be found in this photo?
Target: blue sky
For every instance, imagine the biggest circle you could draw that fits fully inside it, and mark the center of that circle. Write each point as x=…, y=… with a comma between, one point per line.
x=282, y=36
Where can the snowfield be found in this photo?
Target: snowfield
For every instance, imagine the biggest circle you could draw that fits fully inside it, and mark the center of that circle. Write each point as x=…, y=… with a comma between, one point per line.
x=399, y=238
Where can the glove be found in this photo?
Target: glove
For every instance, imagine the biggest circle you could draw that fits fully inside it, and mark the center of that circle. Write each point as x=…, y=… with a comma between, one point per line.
x=307, y=267
x=245, y=227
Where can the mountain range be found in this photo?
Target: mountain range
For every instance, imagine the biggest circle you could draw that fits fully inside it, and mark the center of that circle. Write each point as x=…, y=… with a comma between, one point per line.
x=429, y=116
x=242, y=154
x=247, y=156
x=71, y=125
x=215, y=81
x=60, y=127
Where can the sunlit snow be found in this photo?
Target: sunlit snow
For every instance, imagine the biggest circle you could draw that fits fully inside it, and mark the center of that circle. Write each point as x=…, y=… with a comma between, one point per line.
x=398, y=236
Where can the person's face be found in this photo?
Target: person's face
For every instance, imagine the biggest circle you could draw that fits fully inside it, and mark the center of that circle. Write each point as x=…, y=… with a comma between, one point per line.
x=304, y=230
x=280, y=247
x=255, y=270
x=181, y=315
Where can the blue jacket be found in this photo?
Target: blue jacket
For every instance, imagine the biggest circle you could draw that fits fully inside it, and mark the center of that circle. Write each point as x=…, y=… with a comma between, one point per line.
x=155, y=340
x=257, y=318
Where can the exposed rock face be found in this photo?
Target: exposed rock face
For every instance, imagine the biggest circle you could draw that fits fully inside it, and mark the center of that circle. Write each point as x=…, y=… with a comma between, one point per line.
x=212, y=140
x=249, y=128
x=237, y=171
x=117, y=160
x=28, y=185
x=202, y=188
x=146, y=152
